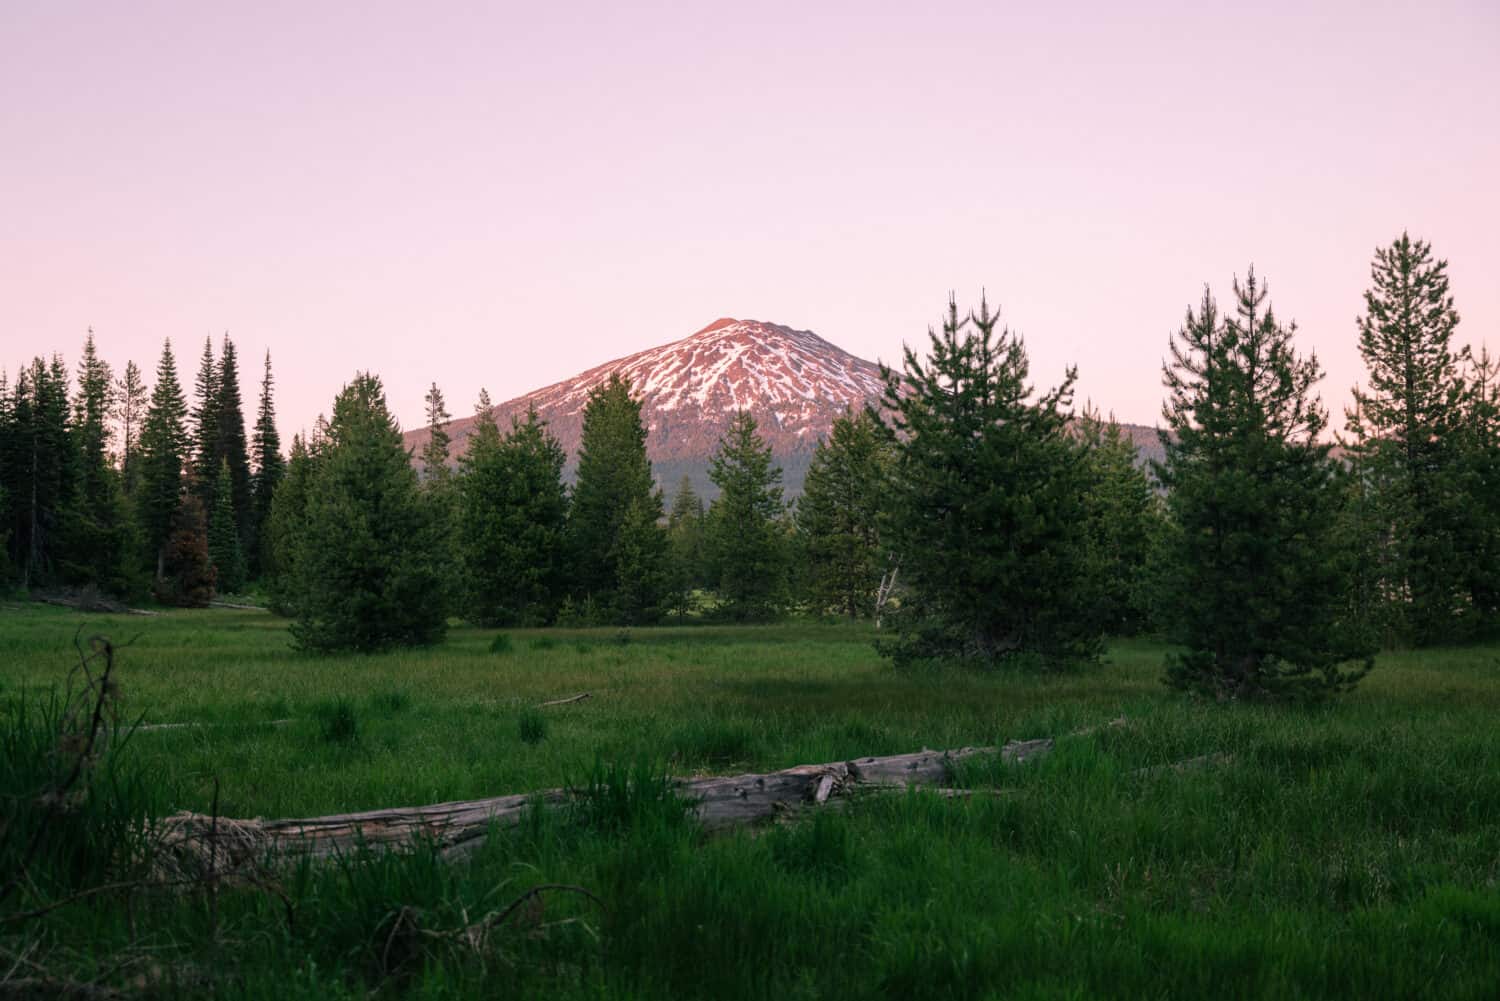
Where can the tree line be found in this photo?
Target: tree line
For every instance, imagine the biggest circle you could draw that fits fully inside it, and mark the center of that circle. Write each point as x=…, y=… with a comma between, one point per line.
x=975, y=517
x=124, y=488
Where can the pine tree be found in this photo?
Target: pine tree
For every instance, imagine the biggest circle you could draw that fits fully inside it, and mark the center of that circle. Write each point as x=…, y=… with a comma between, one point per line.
x=97, y=528
x=512, y=519
x=365, y=575
x=91, y=408
x=224, y=538
x=204, y=460
x=270, y=470
x=286, y=528
x=986, y=504
x=164, y=458
x=435, y=452
x=1256, y=582
x=1479, y=483
x=839, y=515
x=230, y=448
x=130, y=401
x=7, y=472
x=1406, y=419
x=745, y=532
x=642, y=575
x=1124, y=526
x=43, y=467
x=6, y=571
x=614, y=486
x=1365, y=540
x=686, y=547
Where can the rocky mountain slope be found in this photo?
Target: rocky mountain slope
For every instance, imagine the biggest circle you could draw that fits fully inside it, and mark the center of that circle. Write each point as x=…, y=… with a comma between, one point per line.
x=793, y=381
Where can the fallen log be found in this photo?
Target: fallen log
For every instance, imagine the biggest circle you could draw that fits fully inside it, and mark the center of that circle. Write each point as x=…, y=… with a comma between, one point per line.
x=197, y=841
x=237, y=605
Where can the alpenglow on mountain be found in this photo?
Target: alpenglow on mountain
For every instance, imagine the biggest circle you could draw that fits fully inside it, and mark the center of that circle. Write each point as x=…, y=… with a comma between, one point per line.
x=793, y=381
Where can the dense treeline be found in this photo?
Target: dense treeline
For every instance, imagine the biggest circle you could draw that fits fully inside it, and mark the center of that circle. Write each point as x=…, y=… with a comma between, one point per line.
x=112, y=485
x=973, y=516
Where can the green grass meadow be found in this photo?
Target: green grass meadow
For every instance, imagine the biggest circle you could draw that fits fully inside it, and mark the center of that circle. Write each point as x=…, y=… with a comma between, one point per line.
x=1349, y=850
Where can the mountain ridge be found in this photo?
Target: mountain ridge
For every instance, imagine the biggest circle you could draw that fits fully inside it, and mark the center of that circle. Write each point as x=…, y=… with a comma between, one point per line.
x=794, y=382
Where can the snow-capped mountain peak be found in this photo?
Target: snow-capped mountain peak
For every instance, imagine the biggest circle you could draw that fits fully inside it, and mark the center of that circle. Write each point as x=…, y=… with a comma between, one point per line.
x=793, y=381
x=727, y=366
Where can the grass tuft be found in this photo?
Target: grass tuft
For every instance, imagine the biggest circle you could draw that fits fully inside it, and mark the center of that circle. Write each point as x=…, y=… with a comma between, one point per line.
x=338, y=722
x=532, y=726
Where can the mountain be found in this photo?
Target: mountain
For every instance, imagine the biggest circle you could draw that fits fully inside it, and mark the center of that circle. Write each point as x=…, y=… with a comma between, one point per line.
x=793, y=381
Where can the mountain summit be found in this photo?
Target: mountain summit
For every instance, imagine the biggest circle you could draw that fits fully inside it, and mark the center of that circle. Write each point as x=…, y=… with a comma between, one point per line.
x=793, y=381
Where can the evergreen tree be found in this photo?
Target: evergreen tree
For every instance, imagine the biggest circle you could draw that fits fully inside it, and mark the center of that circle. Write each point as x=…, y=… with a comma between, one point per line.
x=512, y=520
x=365, y=575
x=1256, y=585
x=42, y=471
x=97, y=529
x=270, y=469
x=614, y=486
x=642, y=573
x=7, y=449
x=1124, y=526
x=230, y=449
x=1479, y=484
x=224, y=538
x=986, y=504
x=746, y=538
x=686, y=547
x=6, y=571
x=435, y=451
x=187, y=577
x=287, y=527
x=130, y=401
x=164, y=457
x=1406, y=420
x=205, y=447
x=839, y=515
x=1366, y=542
x=91, y=408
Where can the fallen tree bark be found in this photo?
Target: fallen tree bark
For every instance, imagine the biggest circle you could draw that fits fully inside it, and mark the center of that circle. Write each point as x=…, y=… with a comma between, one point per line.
x=197, y=841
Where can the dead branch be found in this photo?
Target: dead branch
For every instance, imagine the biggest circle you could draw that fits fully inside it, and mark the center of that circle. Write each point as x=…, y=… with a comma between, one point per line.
x=563, y=702
x=209, y=726
x=1187, y=765
x=95, y=700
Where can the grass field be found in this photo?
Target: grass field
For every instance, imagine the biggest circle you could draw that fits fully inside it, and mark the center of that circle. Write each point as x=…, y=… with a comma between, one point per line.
x=1349, y=850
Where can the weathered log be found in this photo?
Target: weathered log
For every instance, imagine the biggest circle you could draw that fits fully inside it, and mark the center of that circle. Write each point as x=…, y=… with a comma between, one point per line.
x=720, y=803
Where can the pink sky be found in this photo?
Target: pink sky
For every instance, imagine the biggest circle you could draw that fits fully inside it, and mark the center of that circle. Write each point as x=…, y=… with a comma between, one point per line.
x=504, y=195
